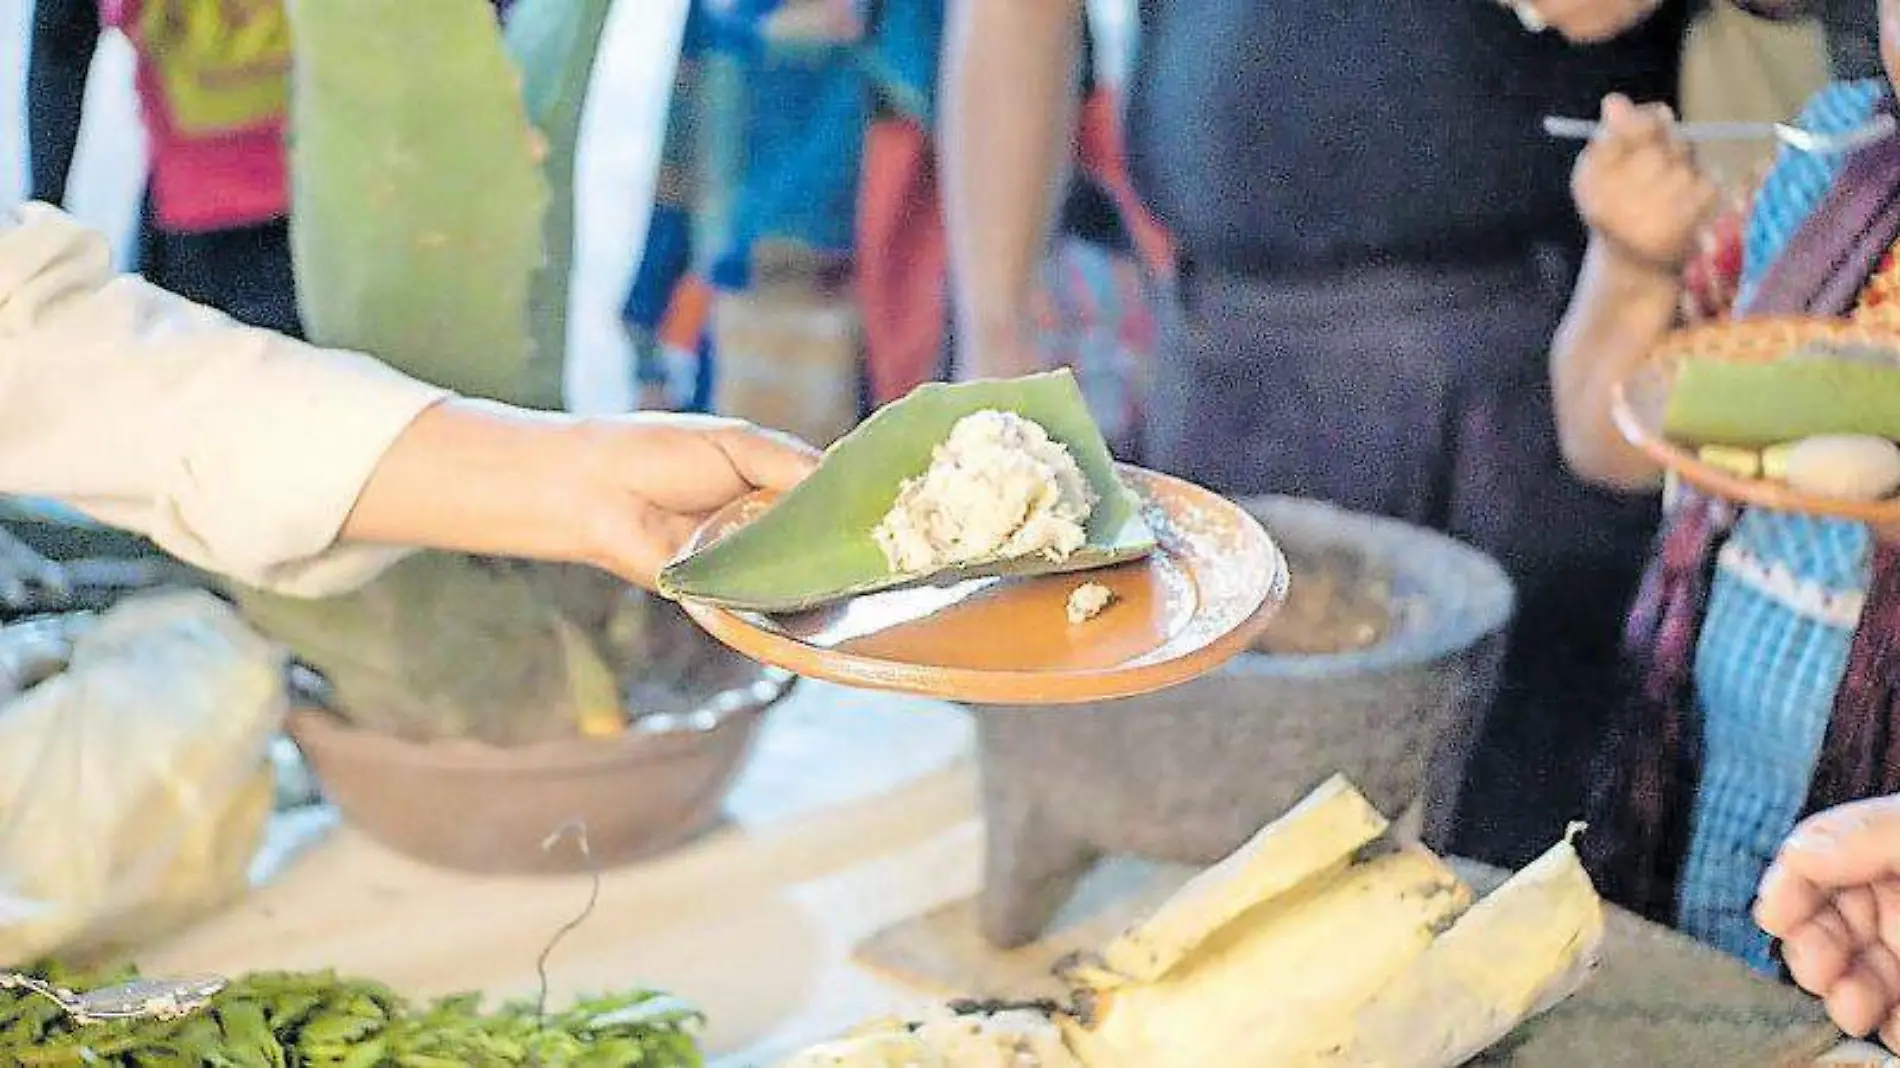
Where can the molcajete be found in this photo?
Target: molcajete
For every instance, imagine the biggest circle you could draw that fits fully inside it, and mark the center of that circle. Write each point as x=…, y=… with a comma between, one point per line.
x=1189, y=773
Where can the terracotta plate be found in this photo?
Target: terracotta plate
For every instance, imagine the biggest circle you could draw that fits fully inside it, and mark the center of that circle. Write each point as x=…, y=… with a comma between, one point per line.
x=1640, y=400
x=1203, y=596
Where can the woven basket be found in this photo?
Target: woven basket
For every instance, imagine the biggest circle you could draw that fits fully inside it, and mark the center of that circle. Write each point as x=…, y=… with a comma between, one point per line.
x=1640, y=400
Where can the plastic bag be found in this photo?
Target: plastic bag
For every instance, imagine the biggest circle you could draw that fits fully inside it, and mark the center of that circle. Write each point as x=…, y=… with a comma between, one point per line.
x=135, y=785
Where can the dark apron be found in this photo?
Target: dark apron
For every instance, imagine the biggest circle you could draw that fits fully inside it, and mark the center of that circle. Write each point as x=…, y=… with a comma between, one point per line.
x=1423, y=393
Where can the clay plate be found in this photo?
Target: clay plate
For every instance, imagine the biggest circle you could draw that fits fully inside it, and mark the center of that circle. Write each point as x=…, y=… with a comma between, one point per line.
x=1203, y=596
x=1641, y=398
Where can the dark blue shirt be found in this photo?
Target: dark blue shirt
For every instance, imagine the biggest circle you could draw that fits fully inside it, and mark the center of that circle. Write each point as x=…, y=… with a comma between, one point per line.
x=1275, y=135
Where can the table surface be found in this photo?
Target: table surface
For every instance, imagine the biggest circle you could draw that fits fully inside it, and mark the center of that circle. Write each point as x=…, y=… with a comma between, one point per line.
x=857, y=811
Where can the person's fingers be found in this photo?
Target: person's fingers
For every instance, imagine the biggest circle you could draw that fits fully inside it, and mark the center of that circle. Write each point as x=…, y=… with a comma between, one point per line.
x=1859, y=912
x=642, y=540
x=767, y=459
x=1785, y=901
x=1887, y=902
x=1623, y=127
x=1890, y=1033
x=1851, y=845
x=1881, y=963
x=1819, y=953
x=1861, y=1000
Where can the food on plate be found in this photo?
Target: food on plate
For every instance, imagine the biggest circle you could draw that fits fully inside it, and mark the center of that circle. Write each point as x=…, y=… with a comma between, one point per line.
x=1742, y=463
x=1852, y=467
x=997, y=488
x=1088, y=601
x=954, y=481
x=1755, y=405
x=1822, y=419
x=1321, y=943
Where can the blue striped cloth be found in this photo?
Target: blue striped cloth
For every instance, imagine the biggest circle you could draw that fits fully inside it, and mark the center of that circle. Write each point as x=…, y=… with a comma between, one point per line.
x=1775, y=642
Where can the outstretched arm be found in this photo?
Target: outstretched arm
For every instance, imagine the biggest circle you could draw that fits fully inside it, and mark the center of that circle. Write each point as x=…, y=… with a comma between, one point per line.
x=251, y=454
x=1008, y=99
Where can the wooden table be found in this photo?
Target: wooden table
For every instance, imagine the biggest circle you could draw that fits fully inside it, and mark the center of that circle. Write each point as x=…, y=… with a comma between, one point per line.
x=859, y=810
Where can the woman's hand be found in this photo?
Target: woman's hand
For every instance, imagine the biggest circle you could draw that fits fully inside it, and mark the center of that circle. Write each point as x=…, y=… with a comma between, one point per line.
x=1638, y=188
x=621, y=493
x=1833, y=898
x=653, y=479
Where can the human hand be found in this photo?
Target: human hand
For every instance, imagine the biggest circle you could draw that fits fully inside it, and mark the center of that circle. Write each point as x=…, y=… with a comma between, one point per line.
x=1584, y=21
x=1638, y=188
x=621, y=493
x=650, y=480
x=1833, y=898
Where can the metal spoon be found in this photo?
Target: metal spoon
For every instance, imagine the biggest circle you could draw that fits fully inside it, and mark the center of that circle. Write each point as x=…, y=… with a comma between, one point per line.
x=1879, y=128
x=138, y=999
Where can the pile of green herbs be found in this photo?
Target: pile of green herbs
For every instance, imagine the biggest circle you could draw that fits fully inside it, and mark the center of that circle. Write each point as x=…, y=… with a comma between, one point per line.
x=321, y=1020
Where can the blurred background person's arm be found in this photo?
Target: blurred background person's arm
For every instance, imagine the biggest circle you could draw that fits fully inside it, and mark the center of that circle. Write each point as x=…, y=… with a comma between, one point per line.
x=1005, y=136
x=65, y=36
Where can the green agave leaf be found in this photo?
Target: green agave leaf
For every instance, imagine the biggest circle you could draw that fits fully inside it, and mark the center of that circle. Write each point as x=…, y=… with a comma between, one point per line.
x=814, y=546
x=1753, y=405
x=555, y=43
x=417, y=202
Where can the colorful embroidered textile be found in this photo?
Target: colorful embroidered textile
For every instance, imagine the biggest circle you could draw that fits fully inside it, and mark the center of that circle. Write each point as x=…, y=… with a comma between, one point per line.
x=1757, y=697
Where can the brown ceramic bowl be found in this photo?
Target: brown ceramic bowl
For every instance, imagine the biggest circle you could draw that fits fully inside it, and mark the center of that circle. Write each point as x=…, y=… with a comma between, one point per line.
x=490, y=809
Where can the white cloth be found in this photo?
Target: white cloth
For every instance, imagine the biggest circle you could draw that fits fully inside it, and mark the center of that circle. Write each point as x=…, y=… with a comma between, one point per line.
x=237, y=450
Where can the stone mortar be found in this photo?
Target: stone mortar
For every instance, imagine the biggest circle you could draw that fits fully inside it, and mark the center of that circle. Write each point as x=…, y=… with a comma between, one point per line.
x=1190, y=773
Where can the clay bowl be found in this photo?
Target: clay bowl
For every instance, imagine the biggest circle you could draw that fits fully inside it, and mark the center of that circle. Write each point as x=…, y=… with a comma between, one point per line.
x=490, y=809
x=1188, y=774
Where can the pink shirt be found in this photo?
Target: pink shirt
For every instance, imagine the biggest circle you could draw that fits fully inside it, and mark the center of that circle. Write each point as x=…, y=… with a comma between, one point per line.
x=203, y=183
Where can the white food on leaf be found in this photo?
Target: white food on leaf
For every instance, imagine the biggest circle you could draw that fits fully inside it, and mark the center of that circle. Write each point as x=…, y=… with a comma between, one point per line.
x=1850, y=467
x=1088, y=600
x=999, y=486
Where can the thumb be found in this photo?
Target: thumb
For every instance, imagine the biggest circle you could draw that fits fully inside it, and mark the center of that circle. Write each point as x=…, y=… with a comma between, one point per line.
x=767, y=459
x=1851, y=845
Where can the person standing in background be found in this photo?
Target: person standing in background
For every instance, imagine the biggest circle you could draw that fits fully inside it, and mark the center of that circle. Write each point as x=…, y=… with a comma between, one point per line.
x=1374, y=245
x=213, y=91
x=794, y=271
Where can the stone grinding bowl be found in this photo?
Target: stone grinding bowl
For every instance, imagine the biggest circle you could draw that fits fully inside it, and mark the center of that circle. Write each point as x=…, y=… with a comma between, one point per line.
x=1190, y=773
x=489, y=809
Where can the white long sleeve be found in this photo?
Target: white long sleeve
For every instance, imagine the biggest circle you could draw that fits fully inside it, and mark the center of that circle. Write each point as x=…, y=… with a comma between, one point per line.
x=235, y=449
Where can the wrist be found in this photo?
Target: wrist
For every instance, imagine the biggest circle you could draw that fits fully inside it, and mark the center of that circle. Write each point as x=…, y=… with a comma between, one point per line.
x=469, y=476
x=1626, y=266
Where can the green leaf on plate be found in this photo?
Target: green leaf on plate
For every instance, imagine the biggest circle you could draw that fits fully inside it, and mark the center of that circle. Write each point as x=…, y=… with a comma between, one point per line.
x=814, y=546
x=1754, y=405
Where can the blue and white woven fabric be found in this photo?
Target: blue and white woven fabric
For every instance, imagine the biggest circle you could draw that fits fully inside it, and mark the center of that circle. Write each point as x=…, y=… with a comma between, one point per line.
x=1786, y=600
